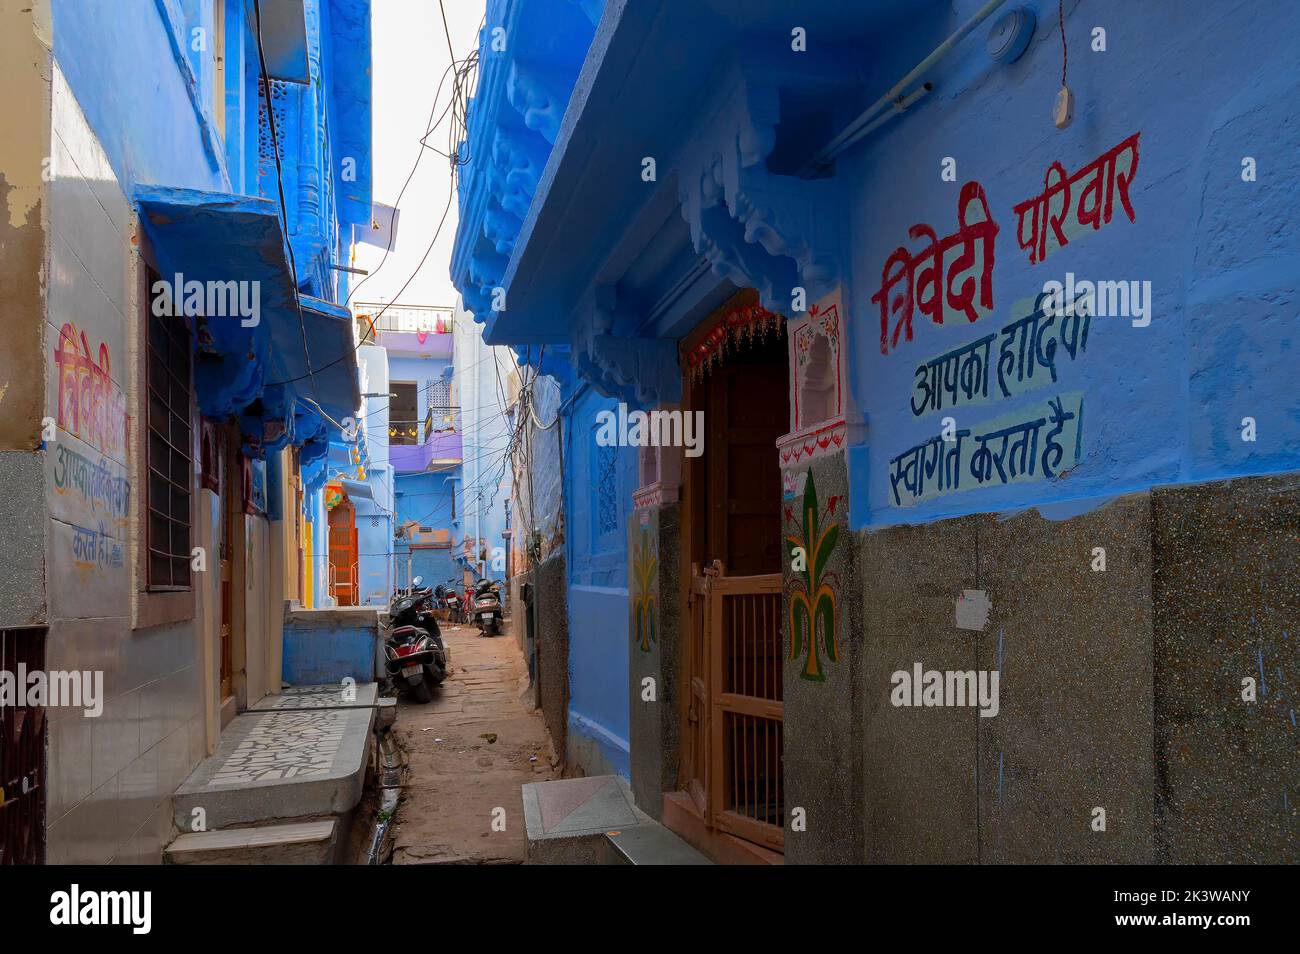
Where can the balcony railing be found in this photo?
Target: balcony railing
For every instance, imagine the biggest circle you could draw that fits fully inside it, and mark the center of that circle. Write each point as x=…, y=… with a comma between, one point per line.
x=435, y=446
x=405, y=327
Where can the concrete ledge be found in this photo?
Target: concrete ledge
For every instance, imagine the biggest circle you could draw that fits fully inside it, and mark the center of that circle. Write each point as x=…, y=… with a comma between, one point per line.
x=567, y=819
x=319, y=697
x=331, y=616
x=273, y=765
x=651, y=844
x=593, y=821
x=303, y=843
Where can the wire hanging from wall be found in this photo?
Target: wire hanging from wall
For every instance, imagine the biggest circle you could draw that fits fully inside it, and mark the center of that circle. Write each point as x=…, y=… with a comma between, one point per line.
x=1063, y=106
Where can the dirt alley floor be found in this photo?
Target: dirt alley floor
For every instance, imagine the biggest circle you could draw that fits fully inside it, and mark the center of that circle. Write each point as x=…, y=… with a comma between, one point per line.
x=468, y=752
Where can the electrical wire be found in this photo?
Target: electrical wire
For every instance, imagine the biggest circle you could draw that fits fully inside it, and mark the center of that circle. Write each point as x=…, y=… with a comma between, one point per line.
x=465, y=75
x=1065, y=52
x=429, y=126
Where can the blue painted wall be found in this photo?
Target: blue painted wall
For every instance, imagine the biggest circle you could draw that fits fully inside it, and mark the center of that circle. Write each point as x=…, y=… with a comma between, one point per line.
x=323, y=655
x=1202, y=89
x=426, y=499
x=480, y=393
x=374, y=554
x=599, y=484
x=104, y=48
x=1162, y=403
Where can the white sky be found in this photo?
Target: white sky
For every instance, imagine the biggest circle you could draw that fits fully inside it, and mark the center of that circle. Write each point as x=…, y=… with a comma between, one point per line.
x=410, y=56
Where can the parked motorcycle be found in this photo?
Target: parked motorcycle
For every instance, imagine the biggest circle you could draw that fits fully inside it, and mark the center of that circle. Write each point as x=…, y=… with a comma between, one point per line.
x=460, y=601
x=446, y=597
x=485, y=607
x=414, y=653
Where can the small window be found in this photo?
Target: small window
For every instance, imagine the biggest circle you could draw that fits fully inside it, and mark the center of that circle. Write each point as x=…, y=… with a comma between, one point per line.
x=403, y=408
x=169, y=449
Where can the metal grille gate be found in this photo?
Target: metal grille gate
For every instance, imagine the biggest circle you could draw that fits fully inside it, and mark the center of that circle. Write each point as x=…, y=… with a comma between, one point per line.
x=22, y=756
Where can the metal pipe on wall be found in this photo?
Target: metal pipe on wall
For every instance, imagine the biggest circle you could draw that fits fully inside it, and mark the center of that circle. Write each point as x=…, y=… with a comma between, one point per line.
x=896, y=94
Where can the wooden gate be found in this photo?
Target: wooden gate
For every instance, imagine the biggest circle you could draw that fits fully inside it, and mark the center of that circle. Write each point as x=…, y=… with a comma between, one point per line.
x=735, y=711
x=697, y=740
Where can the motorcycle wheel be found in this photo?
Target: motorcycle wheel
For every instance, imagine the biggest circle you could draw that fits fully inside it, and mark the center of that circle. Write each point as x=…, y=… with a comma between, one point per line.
x=423, y=690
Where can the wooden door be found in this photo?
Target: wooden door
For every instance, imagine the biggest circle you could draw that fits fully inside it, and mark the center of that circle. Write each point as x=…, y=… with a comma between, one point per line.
x=343, y=552
x=748, y=409
x=731, y=752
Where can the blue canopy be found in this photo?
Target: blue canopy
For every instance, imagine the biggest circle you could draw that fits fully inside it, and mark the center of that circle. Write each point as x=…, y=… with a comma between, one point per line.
x=265, y=355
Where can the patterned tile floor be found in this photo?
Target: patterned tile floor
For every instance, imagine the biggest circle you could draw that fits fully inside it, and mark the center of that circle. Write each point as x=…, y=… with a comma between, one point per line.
x=284, y=745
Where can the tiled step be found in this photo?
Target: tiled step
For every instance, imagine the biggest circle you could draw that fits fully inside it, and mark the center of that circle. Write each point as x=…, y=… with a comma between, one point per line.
x=285, y=763
x=593, y=821
x=302, y=843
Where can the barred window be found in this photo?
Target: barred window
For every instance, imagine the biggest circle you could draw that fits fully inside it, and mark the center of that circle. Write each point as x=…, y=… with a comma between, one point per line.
x=168, y=452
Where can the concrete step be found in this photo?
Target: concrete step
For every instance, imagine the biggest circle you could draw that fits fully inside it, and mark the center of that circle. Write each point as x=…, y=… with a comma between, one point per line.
x=650, y=844
x=301, y=843
x=593, y=821
x=279, y=765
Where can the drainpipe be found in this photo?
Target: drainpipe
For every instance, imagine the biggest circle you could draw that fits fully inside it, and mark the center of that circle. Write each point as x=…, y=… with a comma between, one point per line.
x=857, y=129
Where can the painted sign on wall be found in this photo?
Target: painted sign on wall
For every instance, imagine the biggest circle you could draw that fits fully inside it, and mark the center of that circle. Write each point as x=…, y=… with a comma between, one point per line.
x=1043, y=439
x=86, y=466
x=90, y=405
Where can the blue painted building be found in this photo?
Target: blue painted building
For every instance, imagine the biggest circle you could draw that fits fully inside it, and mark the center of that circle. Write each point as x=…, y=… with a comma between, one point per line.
x=988, y=373
x=417, y=417
x=437, y=412
x=174, y=206
x=480, y=376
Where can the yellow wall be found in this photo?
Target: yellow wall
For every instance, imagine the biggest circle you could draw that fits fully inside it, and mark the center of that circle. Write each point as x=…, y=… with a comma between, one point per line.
x=306, y=565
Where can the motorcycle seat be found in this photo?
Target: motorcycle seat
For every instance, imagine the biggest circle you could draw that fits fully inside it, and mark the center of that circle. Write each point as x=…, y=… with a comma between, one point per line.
x=403, y=631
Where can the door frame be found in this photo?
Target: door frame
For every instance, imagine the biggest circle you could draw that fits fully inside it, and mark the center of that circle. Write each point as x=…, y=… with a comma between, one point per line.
x=702, y=586
x=234, y=684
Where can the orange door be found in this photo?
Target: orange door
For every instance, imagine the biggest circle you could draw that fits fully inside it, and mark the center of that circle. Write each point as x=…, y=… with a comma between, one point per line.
x=343, y=553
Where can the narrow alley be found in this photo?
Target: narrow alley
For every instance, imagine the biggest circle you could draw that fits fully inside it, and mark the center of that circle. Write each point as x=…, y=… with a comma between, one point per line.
x=844, y=432
x=467, y=753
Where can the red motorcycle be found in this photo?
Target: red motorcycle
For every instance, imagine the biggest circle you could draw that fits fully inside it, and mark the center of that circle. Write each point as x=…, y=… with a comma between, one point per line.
x=447, y=598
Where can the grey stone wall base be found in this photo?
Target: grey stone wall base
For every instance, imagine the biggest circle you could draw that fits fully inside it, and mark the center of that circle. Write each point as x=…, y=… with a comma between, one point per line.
x=552, y=615
x=823, y=725
x=22, y=558
x=1120, y=692
x=1226, y=596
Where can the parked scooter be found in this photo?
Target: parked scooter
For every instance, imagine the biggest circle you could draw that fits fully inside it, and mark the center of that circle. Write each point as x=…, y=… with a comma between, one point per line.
x=414, y=652
x=485, y=608
x=446, y=597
